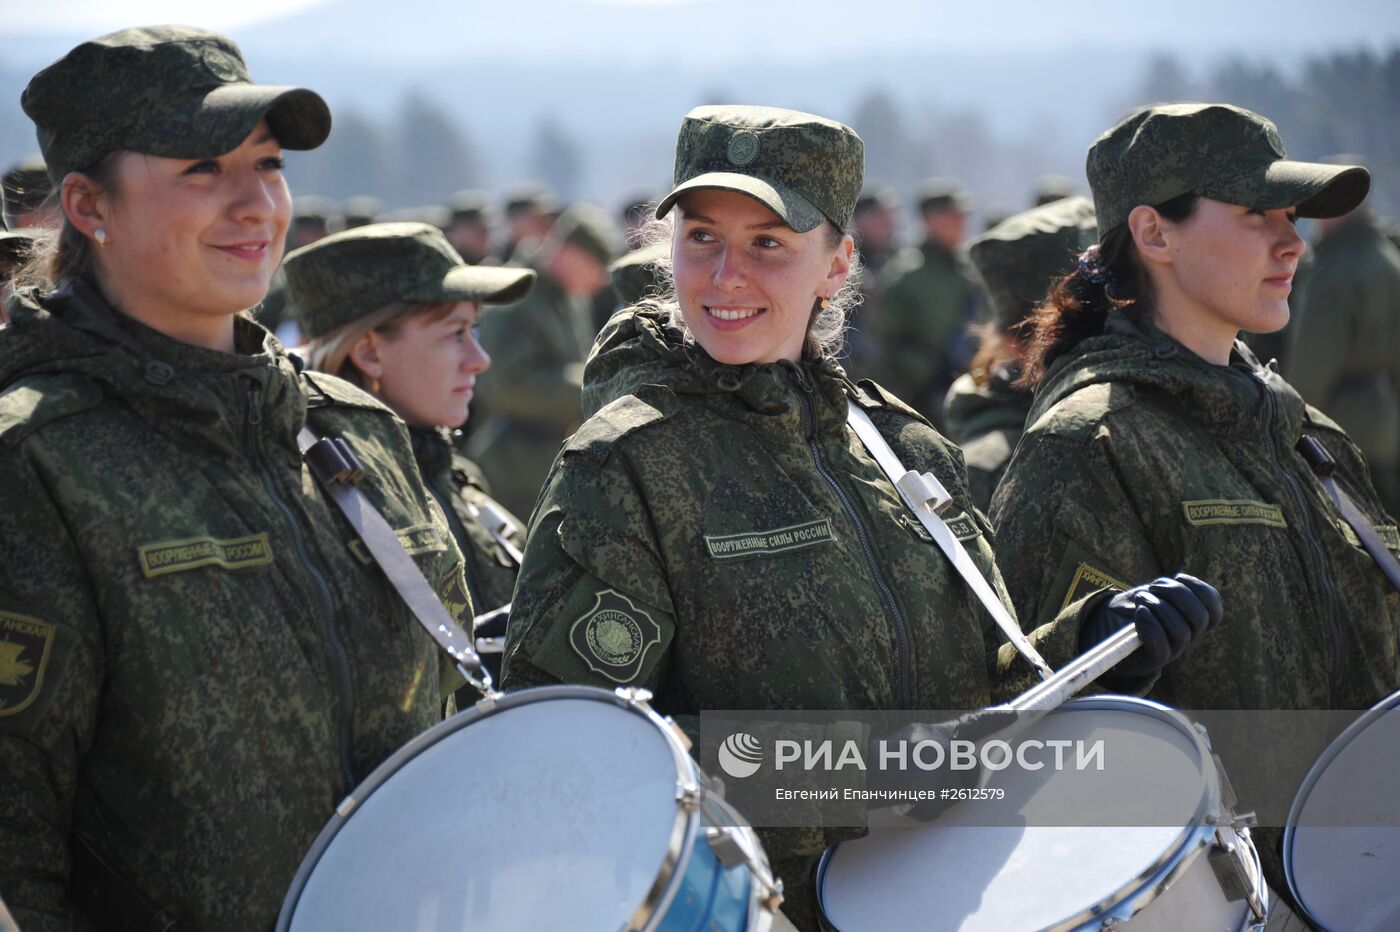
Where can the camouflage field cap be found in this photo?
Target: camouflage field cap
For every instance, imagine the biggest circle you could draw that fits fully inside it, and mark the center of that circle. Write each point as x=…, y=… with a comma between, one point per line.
x=1218, y=151
x=172, y=91
x=360, y=210
x=590, y=228
x=26, y=187
x=349, y=274
x=936, y=194
x=1019, y=257
x=802, y=167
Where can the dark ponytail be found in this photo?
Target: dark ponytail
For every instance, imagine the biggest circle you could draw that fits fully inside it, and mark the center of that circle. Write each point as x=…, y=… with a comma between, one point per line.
x=1109, y=278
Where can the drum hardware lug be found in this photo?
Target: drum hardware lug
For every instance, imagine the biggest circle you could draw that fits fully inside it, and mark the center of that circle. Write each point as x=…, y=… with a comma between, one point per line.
x=690, y=796
x=635, y=695
x=1225, y=863
x=347, y=806
x=726, y=847
x=1242, y=822
x=1228, y=799
x=774, y=897
x=487, y=703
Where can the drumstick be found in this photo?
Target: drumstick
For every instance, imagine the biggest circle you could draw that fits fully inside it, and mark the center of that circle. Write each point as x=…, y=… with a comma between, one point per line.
x=1078, y=673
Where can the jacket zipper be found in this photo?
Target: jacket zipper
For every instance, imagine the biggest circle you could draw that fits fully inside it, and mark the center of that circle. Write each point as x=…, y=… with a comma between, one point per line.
x=339, y=657
x=901, y=632
x=1334, y=636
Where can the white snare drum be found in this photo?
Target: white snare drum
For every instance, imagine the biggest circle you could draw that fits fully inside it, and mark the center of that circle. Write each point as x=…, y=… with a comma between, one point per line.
x=959, y=873
x=564, y=807
x=1341, y=848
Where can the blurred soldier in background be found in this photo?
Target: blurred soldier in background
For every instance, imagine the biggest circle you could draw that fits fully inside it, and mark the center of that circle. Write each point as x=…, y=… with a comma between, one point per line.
x=359, y=211
x=469, y=229
x=929, y=300
x=1344, y=350
x=1051, y=188
x=14, y=250
x=529, y=398
x=26, y=190
x=1017, y=260
x=312, y=218
x=875, y=226
x=530, y=210
x=634, y=275
x=635, y=213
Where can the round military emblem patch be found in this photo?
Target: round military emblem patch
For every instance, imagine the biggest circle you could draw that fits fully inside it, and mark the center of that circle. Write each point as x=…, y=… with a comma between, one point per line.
x=743, y=148
x=614, y=638
x=218, y=63
x=614, y=635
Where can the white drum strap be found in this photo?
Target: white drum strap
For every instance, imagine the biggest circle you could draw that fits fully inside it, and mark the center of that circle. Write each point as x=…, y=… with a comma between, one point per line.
x=925, y=497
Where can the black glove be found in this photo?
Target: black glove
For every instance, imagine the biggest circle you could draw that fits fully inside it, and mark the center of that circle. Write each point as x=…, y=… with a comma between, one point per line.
x=974, y=726
x=1170, y=613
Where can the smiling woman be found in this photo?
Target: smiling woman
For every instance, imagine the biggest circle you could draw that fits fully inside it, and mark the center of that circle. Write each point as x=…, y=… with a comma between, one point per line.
x=718, y=497
x=182, y=605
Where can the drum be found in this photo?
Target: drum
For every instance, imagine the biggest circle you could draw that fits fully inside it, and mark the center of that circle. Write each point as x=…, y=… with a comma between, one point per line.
x=1199, y=872
x=563, y=807
x=1341, y=847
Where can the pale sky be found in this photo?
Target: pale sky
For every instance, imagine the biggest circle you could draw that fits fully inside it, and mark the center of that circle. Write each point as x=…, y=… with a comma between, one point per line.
x=97, y=16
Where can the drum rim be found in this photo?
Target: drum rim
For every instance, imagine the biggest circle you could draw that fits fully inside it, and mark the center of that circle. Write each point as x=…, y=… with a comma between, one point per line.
x=689, y=781
x=1146, y=887
x=1305, y=789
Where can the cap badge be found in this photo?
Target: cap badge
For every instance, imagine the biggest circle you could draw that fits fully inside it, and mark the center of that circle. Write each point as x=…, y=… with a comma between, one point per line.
x=217, y=63
x=743, y=148
x=1275, y=141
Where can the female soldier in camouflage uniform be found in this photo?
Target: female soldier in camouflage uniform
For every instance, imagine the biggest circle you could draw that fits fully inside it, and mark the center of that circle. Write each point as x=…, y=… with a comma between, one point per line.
x=1017, y=260
x=718, y=509
x=195, y=664
x=392, y=308
x=1157, y=441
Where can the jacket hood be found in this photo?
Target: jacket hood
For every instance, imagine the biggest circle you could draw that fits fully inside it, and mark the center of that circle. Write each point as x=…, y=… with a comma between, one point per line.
x=639, y=347
x=973, y=410
x=72, y=331
x=1230, y=397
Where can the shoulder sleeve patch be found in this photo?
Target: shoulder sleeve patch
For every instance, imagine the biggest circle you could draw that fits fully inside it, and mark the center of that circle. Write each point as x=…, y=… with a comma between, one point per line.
x=29, y=403
x=614, y=421
x=1088, y=580
x=25, y=645
x=613, y=637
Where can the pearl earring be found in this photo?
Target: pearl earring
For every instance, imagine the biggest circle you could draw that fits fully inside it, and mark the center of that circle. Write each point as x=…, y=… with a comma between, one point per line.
x=100, y=235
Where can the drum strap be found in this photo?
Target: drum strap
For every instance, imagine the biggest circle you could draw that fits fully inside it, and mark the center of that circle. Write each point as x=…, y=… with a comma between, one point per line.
x=339, y=472
x=1323, y=466
x=925, y=497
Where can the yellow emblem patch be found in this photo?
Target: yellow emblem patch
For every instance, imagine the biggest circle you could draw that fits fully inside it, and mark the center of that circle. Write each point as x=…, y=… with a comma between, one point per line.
x=1206, y=512
x=174, y=556
x=24, y=655
x=1088, y=580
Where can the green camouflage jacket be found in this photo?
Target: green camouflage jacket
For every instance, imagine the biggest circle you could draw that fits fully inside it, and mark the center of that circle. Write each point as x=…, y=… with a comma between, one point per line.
x=530, y=395
x=718, y=535
x=986, y=421
x=197, y=658
x=1345, y=354
x=927, y=299
x=1142, y=459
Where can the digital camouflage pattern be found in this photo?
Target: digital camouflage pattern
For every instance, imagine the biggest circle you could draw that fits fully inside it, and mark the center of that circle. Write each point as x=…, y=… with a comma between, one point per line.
x=1018, y=258
x=1218, y=151
x=347, y=275
x=986, y=421
x=461, y=490
x=528, y=401
x=1344, y=353
x=927, y=301
x=804, y=168
x=686, y=542
x=634, y=275
x=171, y=91
x=196, y=660
x=1141, y=460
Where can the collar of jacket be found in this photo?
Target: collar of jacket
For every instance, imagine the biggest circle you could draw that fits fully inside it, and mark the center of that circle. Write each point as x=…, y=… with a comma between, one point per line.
x=639, y=347
x=1231, y=398
x=191, y=392
x=432, y=448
